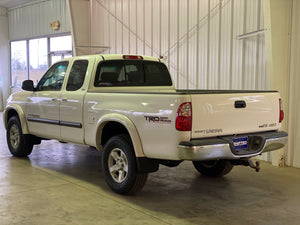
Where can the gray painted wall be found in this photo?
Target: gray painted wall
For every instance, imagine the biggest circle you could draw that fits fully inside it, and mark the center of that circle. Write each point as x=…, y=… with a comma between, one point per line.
x=33, y=20
x=4, y=58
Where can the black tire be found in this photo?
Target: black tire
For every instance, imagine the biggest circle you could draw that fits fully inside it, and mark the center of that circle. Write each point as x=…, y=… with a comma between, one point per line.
x=19, y=145
x=120, y=168
x=213, y=168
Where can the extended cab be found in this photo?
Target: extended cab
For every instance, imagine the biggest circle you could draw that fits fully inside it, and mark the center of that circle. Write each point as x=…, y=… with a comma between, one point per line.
x=127, y=106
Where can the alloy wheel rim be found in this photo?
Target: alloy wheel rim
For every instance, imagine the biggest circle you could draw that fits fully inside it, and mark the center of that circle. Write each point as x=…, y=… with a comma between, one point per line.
x=14, y=135
x=118, y=165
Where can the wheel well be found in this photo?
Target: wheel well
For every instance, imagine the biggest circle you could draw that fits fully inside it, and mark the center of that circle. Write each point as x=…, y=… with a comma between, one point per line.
x=112, y=129
x=11, y=113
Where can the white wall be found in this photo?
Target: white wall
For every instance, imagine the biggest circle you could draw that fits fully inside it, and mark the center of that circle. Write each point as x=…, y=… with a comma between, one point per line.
x=277, y=14
x=197, y=39
x=293, y=157
x=4, y=58
x=80, y=26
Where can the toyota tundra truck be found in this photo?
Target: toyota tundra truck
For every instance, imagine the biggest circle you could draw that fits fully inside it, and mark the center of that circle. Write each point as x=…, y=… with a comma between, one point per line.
x=127, y=107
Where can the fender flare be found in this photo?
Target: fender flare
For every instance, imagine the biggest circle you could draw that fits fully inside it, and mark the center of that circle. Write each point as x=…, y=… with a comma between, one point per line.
x=18, y=109
x=128, y=124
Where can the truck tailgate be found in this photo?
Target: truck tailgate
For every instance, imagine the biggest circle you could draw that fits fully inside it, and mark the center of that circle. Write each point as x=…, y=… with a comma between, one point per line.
x=230, y=113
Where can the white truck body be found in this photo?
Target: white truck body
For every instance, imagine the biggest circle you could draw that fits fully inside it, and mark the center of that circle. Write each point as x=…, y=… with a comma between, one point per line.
x=149, y=115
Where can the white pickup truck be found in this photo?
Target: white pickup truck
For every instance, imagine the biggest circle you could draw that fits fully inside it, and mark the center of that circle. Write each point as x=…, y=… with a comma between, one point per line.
x=127, y=106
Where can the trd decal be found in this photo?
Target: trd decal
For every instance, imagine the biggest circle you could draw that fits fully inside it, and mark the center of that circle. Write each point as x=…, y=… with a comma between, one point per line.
x=157, y=119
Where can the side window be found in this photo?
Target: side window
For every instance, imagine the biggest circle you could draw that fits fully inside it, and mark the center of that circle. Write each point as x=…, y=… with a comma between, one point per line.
x=156, y=74
x=119, y=73
x=53, y=78
x=77, y=75
x=109, y=73
x=134, y=74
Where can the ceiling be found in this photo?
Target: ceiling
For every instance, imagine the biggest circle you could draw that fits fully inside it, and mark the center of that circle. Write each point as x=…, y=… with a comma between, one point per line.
x=14, y=3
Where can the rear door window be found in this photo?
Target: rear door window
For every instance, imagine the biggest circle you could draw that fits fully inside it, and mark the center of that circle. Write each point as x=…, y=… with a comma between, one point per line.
x=77, y=75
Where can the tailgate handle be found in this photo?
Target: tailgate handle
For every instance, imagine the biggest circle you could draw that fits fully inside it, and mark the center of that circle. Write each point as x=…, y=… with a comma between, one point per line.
x=240, y=104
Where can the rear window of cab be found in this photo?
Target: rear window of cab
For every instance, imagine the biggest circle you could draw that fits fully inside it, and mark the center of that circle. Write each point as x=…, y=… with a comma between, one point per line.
x=132, y=73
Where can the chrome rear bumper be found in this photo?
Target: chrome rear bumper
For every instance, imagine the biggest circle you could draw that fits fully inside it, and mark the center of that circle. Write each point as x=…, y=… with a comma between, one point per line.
x=223, y=148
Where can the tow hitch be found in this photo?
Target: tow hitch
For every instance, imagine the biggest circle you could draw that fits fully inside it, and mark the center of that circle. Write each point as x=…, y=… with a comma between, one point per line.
x=256, y=166
x=247, y=162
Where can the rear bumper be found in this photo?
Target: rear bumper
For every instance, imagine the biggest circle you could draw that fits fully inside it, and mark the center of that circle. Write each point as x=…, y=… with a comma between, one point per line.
x=223, y=148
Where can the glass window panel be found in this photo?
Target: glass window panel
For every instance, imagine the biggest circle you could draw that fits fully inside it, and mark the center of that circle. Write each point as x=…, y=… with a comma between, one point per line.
x=38, y=59
x=63, y=43
x=55, y=58
x=77, y=75
x=132, y=73
x=67, y=56
x=18, y=62
x=157, y=74
x=53, y=78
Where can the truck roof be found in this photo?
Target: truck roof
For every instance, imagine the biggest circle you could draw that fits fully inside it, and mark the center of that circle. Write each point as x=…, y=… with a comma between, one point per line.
x=129, y=56
x=118, y=57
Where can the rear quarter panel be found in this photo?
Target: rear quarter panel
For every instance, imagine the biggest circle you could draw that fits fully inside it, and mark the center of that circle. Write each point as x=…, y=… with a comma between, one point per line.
x=153, y=115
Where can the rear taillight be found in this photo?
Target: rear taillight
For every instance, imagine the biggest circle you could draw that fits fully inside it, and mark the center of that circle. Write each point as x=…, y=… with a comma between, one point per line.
x=281, y=113
x=184, y=117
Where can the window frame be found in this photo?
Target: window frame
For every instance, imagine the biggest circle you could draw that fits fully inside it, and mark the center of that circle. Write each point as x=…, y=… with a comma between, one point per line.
x=124, y=62
x=10, y=61
x=49, y=54
x=48, y=71
x=70, y=73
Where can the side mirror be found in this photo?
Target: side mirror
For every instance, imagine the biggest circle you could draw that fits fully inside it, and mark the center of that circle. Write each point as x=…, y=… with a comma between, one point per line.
x=27, y=85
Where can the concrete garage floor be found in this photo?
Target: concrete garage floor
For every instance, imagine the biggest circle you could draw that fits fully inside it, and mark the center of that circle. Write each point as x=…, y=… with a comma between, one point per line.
x=63, y=184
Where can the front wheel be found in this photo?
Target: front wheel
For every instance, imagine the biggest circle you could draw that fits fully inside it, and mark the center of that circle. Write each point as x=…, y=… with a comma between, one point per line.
x=19, y=145
x=213, y=168
x=120, y=168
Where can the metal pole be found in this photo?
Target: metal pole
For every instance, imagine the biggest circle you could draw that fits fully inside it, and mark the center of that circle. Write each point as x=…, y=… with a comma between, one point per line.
x=178, y=43
x=122, y=28
x=231, y=44
x=257, y=47
x=151, y=27
x=116, y=27
x=197, y=47
x=187, y=43
x=219, y=44
x=129, y=27
x=144, y=29
x=108, y=20
x=243, y=47
x=169, y=30
x=208, y=43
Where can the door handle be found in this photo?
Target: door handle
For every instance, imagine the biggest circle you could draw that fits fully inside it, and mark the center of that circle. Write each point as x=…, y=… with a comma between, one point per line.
x=64, y=100
x=54, y=100
x=240, y=104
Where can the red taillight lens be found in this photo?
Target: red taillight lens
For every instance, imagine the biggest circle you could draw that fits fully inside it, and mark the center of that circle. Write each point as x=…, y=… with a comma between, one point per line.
x=184, y=117
x=132, y=57
x=281, y=113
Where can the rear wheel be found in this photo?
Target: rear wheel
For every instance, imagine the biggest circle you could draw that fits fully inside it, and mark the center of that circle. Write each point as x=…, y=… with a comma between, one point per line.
x=19, y=145
x=120, y=168
x=213, y=168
